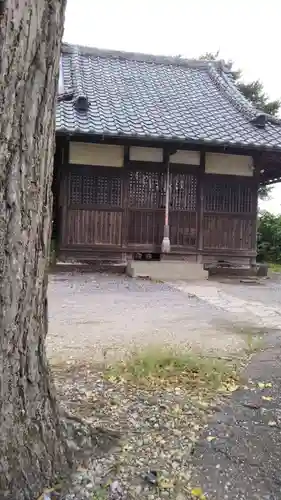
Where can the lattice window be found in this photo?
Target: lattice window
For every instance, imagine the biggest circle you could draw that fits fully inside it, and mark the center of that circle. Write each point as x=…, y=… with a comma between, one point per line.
x=227, y=197
x=146, y=189
x=100, y=190
x=183, y=191
x=75, y=194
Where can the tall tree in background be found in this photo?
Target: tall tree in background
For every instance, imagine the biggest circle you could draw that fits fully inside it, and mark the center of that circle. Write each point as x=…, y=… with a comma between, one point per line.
x=255, y=93
x=32, y=449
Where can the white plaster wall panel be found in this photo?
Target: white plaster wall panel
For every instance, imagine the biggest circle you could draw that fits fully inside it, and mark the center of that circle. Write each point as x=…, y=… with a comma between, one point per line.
x=186, y=157
x=219, y=163
x=106, y=155
x=154, y=155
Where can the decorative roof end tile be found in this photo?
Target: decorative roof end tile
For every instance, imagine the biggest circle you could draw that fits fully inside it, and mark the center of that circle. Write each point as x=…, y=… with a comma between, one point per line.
x=260, y=120
x=81, y=103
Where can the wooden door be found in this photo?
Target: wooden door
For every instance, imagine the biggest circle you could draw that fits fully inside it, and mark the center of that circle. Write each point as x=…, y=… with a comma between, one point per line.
x=146, y=208
x=183, y=209
x=146, y=198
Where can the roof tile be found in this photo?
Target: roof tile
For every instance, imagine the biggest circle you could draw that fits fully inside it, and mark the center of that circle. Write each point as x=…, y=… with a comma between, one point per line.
x=138, y=95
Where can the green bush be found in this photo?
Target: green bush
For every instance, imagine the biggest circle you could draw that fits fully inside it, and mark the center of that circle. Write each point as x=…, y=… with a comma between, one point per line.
x=269, y=238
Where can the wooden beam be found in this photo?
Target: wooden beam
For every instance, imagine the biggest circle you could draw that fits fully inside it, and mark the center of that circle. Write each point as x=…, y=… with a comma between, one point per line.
x=270, y=182
x=165, y=144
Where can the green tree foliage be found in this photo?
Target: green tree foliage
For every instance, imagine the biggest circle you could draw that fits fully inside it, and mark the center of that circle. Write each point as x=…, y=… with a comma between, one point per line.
x=269, y=238
x=253, y=91
x=264, y=192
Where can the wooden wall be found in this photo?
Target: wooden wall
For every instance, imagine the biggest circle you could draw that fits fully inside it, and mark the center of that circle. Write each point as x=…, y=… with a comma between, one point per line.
x=122, y=209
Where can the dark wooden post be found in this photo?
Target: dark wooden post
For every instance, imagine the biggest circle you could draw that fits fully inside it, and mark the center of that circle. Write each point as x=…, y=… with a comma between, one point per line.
x=200, y=206
x=64, y=194
x=166, y=244
x=256, y=182
x=125, y=204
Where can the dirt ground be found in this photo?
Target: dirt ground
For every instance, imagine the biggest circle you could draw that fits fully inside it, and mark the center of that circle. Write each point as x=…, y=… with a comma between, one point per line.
x=93, y=316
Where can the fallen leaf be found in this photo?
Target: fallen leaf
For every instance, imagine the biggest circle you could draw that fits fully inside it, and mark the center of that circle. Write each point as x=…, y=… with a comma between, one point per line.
x=261, y=385
x=268, y=384
x=229, y=387
x=272, y=423
x=177, y=409
x=267, y=398
x=198, y=493
x=45, y=495
x=165, y=484
x=204, y=404
x=210, y=438
x=233, y=387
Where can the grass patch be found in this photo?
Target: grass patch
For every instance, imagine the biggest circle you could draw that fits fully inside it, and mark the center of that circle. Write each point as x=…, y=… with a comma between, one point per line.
x=276, y=268
x=254, y=343
x=167, y=367
x=253, y=337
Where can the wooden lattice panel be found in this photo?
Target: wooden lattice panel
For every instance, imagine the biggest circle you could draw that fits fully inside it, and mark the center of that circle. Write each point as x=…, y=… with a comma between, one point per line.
x=99, y=190
x=94, y=227
x=146, y=189
x=223, y=232
x=146, y=227
x=183, y=191
x=228, y=197
x=75, y=194
x=183, y=229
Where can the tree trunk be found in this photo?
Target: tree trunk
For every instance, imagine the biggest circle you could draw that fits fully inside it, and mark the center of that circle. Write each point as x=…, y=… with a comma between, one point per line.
x=32, y=450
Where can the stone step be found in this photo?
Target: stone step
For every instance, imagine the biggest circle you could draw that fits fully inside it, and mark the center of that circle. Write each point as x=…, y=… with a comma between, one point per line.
x=166, y=270
x=259, y=270
x=88, y=267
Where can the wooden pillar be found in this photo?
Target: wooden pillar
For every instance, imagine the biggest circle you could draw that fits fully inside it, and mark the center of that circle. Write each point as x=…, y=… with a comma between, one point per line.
x=256, y=183
x=63, y=193
x=166, y=244
x=125, y=204
x=200, y=206
x=55, y=191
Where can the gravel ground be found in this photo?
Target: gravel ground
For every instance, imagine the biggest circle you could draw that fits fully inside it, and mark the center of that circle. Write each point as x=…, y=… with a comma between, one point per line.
x=93, y=317
x=158, y=426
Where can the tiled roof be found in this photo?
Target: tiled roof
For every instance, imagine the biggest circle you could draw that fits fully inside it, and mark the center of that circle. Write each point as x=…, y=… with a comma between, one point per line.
x=154, y=97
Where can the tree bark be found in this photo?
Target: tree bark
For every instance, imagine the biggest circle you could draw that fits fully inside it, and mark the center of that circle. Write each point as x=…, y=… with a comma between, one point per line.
x=32, y=450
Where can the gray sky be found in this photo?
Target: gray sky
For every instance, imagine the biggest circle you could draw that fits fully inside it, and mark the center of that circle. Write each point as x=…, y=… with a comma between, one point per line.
x=245, y=31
